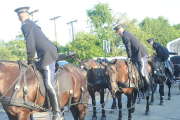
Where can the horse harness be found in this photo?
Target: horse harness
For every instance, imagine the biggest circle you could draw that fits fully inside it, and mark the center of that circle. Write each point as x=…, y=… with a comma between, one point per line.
x=20, y=102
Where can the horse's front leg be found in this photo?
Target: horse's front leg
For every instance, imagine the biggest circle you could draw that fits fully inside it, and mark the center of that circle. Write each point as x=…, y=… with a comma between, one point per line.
x=113, y=106
x=92, y=94
x=102, y=104
x=161, y=91
x=135, y=92
x=120, y=106
x=153, y=90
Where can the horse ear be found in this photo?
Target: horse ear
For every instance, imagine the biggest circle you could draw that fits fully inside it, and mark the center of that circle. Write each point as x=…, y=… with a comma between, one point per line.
x=114, y=61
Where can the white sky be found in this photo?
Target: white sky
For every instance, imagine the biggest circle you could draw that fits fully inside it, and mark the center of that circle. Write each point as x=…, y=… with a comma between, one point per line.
x=76, y=9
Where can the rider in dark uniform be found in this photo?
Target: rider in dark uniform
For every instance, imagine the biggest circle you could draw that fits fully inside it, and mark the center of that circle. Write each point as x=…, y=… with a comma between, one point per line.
x=135, y=51
x=38, y=43
x=161, y=51
x=162, y=54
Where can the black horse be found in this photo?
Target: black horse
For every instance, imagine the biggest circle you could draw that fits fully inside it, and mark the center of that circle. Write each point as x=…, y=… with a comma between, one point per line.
x=97, y=82
x=161, y=75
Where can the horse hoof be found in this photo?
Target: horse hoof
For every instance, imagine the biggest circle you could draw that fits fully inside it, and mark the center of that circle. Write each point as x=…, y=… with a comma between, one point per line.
x=161, y=103
x=103, y=118
x=94, y=118
x=119, y=118
x=146, y=113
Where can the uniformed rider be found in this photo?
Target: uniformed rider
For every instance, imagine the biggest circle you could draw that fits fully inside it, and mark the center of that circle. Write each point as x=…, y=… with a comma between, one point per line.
x=38, y=43
x=135, y=51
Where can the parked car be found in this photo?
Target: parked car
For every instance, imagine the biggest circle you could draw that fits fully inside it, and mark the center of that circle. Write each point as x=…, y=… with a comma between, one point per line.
x=61, y=63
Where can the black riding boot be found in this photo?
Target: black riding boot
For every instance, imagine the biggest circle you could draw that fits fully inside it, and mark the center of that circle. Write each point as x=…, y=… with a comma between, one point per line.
x=48, y=76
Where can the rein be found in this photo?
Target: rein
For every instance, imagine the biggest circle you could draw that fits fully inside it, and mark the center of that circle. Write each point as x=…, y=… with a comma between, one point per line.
x=20, y=102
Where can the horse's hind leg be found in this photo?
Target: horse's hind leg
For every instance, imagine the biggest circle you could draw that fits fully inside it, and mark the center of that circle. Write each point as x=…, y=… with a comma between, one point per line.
x=102, y=104
x=135, y=92
x=129, y=105
x=161, y=91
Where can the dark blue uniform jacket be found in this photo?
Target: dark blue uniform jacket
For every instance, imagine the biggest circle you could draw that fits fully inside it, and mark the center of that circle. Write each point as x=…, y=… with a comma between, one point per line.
x=37, y=42
x=161, y=51
x=134, y=49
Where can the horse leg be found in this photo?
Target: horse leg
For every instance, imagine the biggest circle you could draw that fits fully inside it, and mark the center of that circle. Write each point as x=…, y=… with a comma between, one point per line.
x=103, y=117
x=153, y=90
x=74, y=112
x=92, y=94
x=169, y=89
x=129, y=98
x=62, y=110
x=147, y=105
x=161, y=91
x=120, y=106
x=82, y=111
x=135, y=92
x=113, y=106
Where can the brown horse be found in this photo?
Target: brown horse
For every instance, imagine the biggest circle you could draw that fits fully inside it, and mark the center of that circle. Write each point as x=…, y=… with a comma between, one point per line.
x=21, y=95
x=97, y=82
x=125, y=79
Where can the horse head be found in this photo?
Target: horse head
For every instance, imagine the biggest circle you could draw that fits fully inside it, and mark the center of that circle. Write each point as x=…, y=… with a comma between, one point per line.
x=111, y=72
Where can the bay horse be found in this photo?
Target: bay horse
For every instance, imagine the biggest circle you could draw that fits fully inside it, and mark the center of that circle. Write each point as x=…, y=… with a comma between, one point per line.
x=125, y=79
x=161, y=75
x=97, y=82
x=21, y=96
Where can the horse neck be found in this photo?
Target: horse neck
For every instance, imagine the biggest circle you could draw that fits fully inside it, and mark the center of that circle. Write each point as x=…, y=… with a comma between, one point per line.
x=9, y=71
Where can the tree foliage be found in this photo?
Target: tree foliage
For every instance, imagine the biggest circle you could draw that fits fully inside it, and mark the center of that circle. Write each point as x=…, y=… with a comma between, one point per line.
x=101, y=20
x=86, y=46
x=160, y=29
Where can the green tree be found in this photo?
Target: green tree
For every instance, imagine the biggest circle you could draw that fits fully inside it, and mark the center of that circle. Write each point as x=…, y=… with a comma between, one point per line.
x=17, y=49
x=159, y=28
x=101, y=20
x=86, y=46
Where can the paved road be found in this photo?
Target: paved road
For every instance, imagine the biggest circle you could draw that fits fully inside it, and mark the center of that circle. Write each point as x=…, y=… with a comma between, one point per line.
x=169, y=111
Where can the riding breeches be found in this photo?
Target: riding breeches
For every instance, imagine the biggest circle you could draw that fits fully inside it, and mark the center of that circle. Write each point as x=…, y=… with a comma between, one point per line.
x=48, y=76
x=142, y=65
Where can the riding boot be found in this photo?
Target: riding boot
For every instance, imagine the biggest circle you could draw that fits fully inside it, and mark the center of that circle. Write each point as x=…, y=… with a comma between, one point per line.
x=48, y=74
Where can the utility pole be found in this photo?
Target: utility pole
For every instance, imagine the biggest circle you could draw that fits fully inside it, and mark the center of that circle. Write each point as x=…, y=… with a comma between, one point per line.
x=32, y=13
x=72, y=27
x=55, y=32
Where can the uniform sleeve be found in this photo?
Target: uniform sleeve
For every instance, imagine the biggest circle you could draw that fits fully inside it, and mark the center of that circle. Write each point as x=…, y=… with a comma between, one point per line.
x=30, y=41
x=127, y=44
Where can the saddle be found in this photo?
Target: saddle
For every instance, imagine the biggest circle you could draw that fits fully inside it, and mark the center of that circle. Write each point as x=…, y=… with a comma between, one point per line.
x=134, y=75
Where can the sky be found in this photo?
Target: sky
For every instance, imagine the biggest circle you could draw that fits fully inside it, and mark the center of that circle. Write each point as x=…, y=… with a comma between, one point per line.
x=76, y=10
